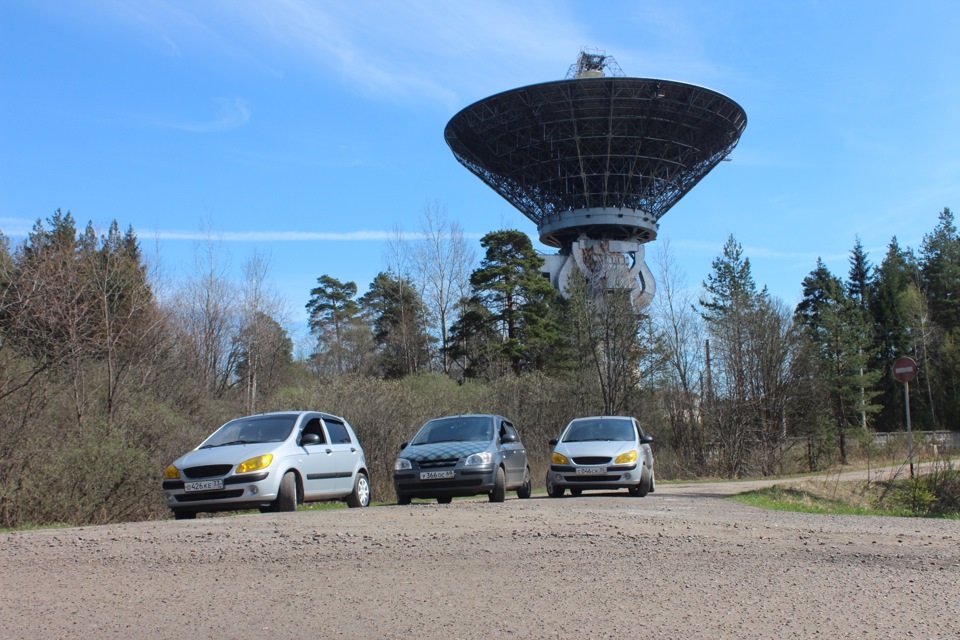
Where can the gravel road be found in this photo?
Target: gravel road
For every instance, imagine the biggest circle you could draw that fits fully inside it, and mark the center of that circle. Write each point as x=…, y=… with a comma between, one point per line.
x=680, y=563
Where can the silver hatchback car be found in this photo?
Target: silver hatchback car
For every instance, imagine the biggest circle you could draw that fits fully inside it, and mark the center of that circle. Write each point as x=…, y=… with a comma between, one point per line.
x=271, y=461
x=602, y=452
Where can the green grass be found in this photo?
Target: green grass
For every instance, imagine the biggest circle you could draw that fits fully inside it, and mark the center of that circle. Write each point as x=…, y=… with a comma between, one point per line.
x=846, y=498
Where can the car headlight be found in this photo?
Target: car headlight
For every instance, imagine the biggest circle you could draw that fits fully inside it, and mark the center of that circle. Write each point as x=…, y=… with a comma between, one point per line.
x=559, y=458
x=172, y=473
x=629, y=456
x=402, y=464
x=255, y=464
x=475, y=459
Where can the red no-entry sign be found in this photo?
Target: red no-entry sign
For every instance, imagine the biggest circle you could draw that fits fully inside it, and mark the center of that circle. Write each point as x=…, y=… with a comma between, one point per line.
x=904, y=369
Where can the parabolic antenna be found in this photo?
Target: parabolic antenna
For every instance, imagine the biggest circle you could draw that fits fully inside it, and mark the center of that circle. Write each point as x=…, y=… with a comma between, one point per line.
x=596, y=160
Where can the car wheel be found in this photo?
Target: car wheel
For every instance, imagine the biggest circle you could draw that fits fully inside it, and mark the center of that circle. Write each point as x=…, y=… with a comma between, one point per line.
x=526, y=490
x=403, y=499
x=499, y=492
x=445, y=500
x=576, y=492
x=361, y=492
x=287, y=497
x=553, y=490
x=643, y=488
x=184, y=515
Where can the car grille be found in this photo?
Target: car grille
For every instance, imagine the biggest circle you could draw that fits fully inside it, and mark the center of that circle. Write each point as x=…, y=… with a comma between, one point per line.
x=439, y=484
x=433, y=464
x=207, y=471
x=592, y=460
x=591, y=479
x=209, y=495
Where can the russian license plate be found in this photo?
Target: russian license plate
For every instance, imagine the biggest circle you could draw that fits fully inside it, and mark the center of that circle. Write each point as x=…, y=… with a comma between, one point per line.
x=203, y=485
x=591, y=471
x=436, y=475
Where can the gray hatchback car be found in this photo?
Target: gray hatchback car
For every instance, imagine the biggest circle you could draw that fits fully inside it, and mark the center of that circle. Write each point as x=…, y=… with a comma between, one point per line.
x=601, y=452
x=271, y=461
x=463, y=456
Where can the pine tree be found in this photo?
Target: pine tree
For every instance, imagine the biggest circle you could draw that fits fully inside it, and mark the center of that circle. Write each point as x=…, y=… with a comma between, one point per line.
x=508, y=282
x=398, y=316
x=332, y=310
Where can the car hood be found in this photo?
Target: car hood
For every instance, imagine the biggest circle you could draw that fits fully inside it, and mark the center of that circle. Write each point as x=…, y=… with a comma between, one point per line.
x=443, y=450
x=232, y=454
x=611, y=448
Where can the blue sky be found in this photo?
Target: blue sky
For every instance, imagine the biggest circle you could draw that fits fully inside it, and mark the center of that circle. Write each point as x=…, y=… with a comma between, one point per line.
x=309, y=131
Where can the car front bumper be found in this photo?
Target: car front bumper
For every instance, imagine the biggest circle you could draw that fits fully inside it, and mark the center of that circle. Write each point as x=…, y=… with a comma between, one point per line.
x=614, y=477
x=245, y=491
x=469, y=481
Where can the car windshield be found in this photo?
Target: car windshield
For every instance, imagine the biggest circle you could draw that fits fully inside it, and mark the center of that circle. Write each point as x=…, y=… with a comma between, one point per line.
x=469, y=429
x=252, y=430
x=600, y=430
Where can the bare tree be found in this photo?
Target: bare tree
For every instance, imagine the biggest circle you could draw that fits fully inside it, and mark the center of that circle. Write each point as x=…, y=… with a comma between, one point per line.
x=206, y=315
x=442, y=262
x=264, y=348
x=682, y=335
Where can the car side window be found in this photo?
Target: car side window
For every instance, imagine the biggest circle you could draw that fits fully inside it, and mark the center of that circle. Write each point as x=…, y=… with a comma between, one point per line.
x=314, y=426
x=338, y=432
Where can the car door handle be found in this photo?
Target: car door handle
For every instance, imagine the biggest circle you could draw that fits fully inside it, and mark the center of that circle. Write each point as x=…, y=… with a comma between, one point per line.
x=329, y=451
x=352, y=450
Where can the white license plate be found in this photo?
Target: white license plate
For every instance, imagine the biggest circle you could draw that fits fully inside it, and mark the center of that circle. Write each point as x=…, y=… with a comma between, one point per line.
x=436, y=475
x=591, y=471
x=203, y=485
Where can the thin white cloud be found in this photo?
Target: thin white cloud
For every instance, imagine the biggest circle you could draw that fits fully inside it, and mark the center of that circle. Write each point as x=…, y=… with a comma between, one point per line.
x=233, y=114
x=297, y=236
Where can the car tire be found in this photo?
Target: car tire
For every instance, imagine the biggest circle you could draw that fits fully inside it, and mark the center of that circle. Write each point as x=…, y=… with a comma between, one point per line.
x=526, y=490
x=643, y=488
x=361, y=492
x=576, y=492
x=499, y=493
x=445, y=500
x=653, y=481
x=179, y=514
x=553, y=490
x=287, y=496
x=403, y=499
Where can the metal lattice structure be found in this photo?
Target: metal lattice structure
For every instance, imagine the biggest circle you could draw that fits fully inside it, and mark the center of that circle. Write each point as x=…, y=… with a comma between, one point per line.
x=596, y=156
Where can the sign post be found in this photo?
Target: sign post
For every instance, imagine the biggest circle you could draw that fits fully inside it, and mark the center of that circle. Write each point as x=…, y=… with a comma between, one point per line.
x=905, y=370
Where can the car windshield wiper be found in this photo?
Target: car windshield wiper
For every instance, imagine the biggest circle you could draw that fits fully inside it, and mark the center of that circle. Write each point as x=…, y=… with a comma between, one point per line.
x=224, y=444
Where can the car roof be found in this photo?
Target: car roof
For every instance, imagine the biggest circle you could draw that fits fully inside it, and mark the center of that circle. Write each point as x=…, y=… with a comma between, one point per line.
x=297, y=412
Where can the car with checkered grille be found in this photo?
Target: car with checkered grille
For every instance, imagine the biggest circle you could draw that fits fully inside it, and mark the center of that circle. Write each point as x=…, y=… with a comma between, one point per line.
x=464, y=455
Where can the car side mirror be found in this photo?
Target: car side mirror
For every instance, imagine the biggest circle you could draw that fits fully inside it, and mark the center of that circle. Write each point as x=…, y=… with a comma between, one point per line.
x=309, y=438
x=403, y=445
x=553, y=442
x=646, y=439
x=508, y=437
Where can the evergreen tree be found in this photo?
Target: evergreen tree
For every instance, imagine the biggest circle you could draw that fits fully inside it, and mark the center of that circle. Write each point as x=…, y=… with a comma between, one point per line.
x=891, y=319
x=398, y=316
x=940, y=272
x=860, y=278
x=332, y=311
x=835, y=325
x=509, y=284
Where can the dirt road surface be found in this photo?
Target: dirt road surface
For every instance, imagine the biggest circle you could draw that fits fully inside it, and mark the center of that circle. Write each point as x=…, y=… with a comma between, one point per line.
x=680, y=563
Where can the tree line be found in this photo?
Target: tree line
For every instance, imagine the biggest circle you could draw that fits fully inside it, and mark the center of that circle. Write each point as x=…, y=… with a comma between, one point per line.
x=107, y=373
